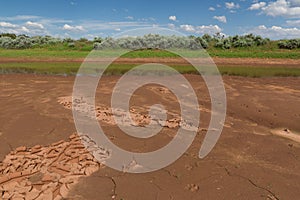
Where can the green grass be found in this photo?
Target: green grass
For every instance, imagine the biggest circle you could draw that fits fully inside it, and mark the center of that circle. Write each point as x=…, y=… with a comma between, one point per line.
x=253, y=52
x=67, y=68
x=42, y=53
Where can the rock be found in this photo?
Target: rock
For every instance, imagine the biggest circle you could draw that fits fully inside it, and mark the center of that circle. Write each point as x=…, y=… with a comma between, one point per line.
x=58, y=197
x=89, y=170
x=63, y=168
x=47, y=195
x=7, y=195
x=286, y=130
x=17, y=196
x=23, y=189
x=15, y=175
x=34, y=193
x=64, y=191
x=10, y=186
x=21, y=149
x=73, y=136
x=192, y=187
x=58, y=143
x=48, y=178
x=37, y=147
x=34, y=151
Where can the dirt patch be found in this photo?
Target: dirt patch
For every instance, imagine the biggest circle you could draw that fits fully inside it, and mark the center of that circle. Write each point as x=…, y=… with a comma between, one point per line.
x=248, y=162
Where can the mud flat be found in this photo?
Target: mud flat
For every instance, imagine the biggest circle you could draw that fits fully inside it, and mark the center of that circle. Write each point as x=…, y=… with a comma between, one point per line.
x=257, y=156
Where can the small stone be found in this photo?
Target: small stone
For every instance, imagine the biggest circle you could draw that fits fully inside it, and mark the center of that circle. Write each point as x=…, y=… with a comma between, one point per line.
x=15, y=175
x=58, y=143
x=48, y=178
x=23, y=190
x=17, y=196
x=34, y=151
x=51, y=155
x=63, y=168
x=37, y=147
x=64, y=191
x=286, y=130
x=58, y=197
x=192, y=187
x=10, y=186
x=21, y=149
x=73, y=136
x=89, y=170
x=7, y=195
x=47, y=195
x=34, y=193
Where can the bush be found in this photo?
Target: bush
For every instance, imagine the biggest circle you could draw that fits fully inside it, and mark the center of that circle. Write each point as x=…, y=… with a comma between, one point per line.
x=97, y=39
x=289, y=44
x=151, y=41
x=71, y=45
x=11, y=35
x=202, y=42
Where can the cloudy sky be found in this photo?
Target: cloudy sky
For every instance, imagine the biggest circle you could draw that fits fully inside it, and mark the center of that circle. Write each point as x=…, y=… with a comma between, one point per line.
x=276, y=19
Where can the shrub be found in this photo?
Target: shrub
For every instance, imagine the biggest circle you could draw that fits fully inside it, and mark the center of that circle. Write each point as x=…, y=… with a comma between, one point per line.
x=202, y=42
x=71, y=44
x=97, y=39
x=151, y=41
x=289, y=44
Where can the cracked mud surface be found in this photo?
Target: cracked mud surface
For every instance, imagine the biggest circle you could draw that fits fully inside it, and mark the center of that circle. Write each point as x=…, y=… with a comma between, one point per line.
x=257, y=156
x=45, y=172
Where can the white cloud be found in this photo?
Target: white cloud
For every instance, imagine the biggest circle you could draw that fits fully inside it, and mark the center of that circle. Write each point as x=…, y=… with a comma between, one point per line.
x=67, y=27
x=172, y=18
x=7, y=25
x=275, y=32
x=221, y=19
x=24, y=29
x=284, y=8
x=293, y=22
x=188, y=28
x=20, y=17
x=257, y=6
x=129, y=17
x=171, y=26
x=231, y=5
x=34, y=25
x=210, y=29
x=211, y=9
x=294, y=3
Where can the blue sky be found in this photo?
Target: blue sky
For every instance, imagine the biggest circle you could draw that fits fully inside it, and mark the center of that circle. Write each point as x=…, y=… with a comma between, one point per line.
x=77, y=18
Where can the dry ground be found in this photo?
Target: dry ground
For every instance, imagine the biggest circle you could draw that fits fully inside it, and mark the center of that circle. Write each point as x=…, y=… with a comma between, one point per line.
x=257, y=156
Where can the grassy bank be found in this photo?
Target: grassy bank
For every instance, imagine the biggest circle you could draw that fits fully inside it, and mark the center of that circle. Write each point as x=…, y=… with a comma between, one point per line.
x=214, y=52
x=65, y=68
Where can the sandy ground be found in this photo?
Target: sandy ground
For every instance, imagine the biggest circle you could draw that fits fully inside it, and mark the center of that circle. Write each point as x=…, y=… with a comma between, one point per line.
x=257, y=156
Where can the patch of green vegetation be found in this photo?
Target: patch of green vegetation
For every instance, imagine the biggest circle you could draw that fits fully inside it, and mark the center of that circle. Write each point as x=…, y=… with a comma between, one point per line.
x=254, y=52
x=41, y=53
x=260, y=71
x=67, y=68
x=40, y=68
